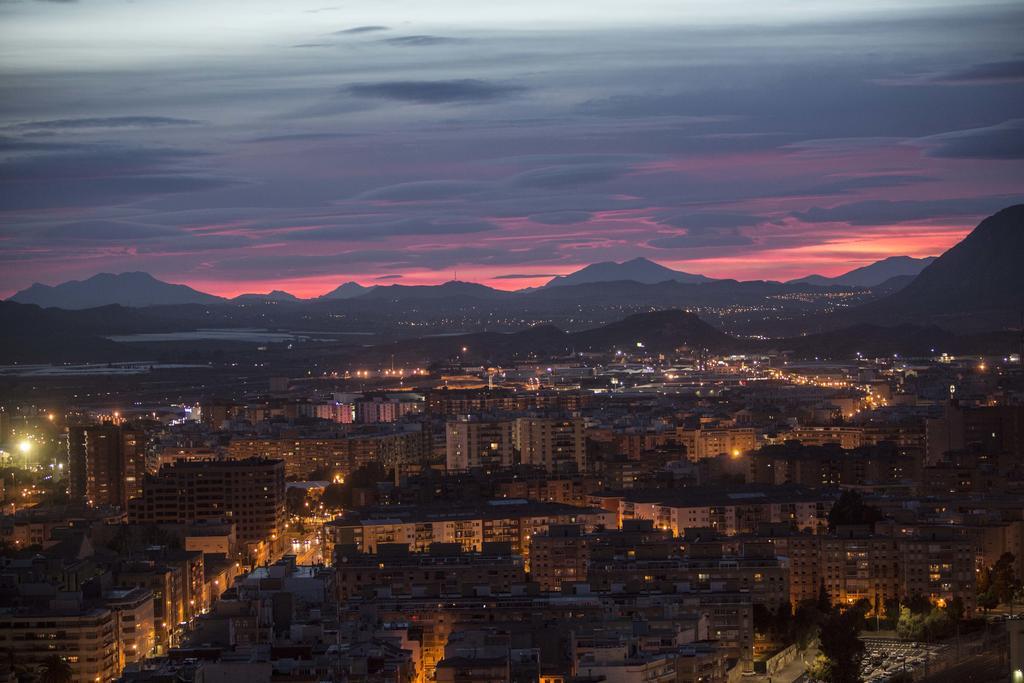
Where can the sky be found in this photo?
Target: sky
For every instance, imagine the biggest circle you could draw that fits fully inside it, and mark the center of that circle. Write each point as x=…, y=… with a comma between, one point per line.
x=249, y=146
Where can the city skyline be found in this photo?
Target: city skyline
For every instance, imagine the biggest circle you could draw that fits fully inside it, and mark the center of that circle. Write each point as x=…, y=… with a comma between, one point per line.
x=303, y=146
x=672, y=341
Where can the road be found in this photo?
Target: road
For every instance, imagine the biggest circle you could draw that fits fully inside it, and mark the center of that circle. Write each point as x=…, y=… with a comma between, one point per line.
x=307, y=544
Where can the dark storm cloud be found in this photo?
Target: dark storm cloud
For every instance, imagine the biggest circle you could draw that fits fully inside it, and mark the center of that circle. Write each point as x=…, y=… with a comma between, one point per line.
x=1002, y=141
x=105, y=122
x=422, y=41
x=436, y=92
x=990, y=72
x=882, y=212
x=355, y=30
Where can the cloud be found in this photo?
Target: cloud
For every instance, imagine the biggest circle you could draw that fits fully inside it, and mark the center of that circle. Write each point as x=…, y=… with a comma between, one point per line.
x=105, y=122
x=983, y=74
x=868, y=182
x=700, y=240
x=298, y=137
x=1001, y=141
x=436, y=92
x=883, y=212
x=355, y=30
x=100, y=176
x=556, y=177
x=14, y=144
x=103, y=231
x=410, y=227
x=560, y=217
x=712, y=221
x=195, y=244
x=422, y=41
x=388, y=277
x=425, y=190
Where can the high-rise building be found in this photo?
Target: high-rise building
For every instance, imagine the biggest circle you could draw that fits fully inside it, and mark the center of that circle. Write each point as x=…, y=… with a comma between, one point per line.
x=106, y=464
x=993, y=429
x=556, y=444
x=84, y=637
x=485, y=444
x=248, y=492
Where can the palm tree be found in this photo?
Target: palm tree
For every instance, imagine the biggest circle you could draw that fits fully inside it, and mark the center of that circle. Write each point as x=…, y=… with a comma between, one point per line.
x=55, y=670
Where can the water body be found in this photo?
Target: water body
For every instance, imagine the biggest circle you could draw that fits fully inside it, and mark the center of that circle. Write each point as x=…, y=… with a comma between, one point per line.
x=89, y=369
x=212, y=334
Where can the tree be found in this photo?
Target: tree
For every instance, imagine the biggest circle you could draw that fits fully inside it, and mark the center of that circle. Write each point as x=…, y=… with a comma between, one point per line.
x=851, y=509
x=841, y=647
x=956, y=609
x=336, y=496
x=892, y=612
x=824, y=604
x=937, y=624
x=806, y=620
x=775, y=625
x=55, y=670
x=297, y=501
x=910, y=625
x=999, y=583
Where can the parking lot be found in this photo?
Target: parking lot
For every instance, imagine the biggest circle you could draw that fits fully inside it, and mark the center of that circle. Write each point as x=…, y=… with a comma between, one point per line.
x=885, y=658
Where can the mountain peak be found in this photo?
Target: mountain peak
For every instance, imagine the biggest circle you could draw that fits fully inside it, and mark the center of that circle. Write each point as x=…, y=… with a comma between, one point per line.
x=274, y=296
x=639, y=269
x=980, y=273
x=134, y=289
x=346, y=290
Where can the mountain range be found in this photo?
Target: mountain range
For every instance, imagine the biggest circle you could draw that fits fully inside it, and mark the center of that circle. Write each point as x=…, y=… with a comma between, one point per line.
x=136, y=289
x=974, y=288
x=874, y=274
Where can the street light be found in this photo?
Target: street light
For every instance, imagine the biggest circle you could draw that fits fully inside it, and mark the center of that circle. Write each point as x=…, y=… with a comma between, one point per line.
x=25, y=446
